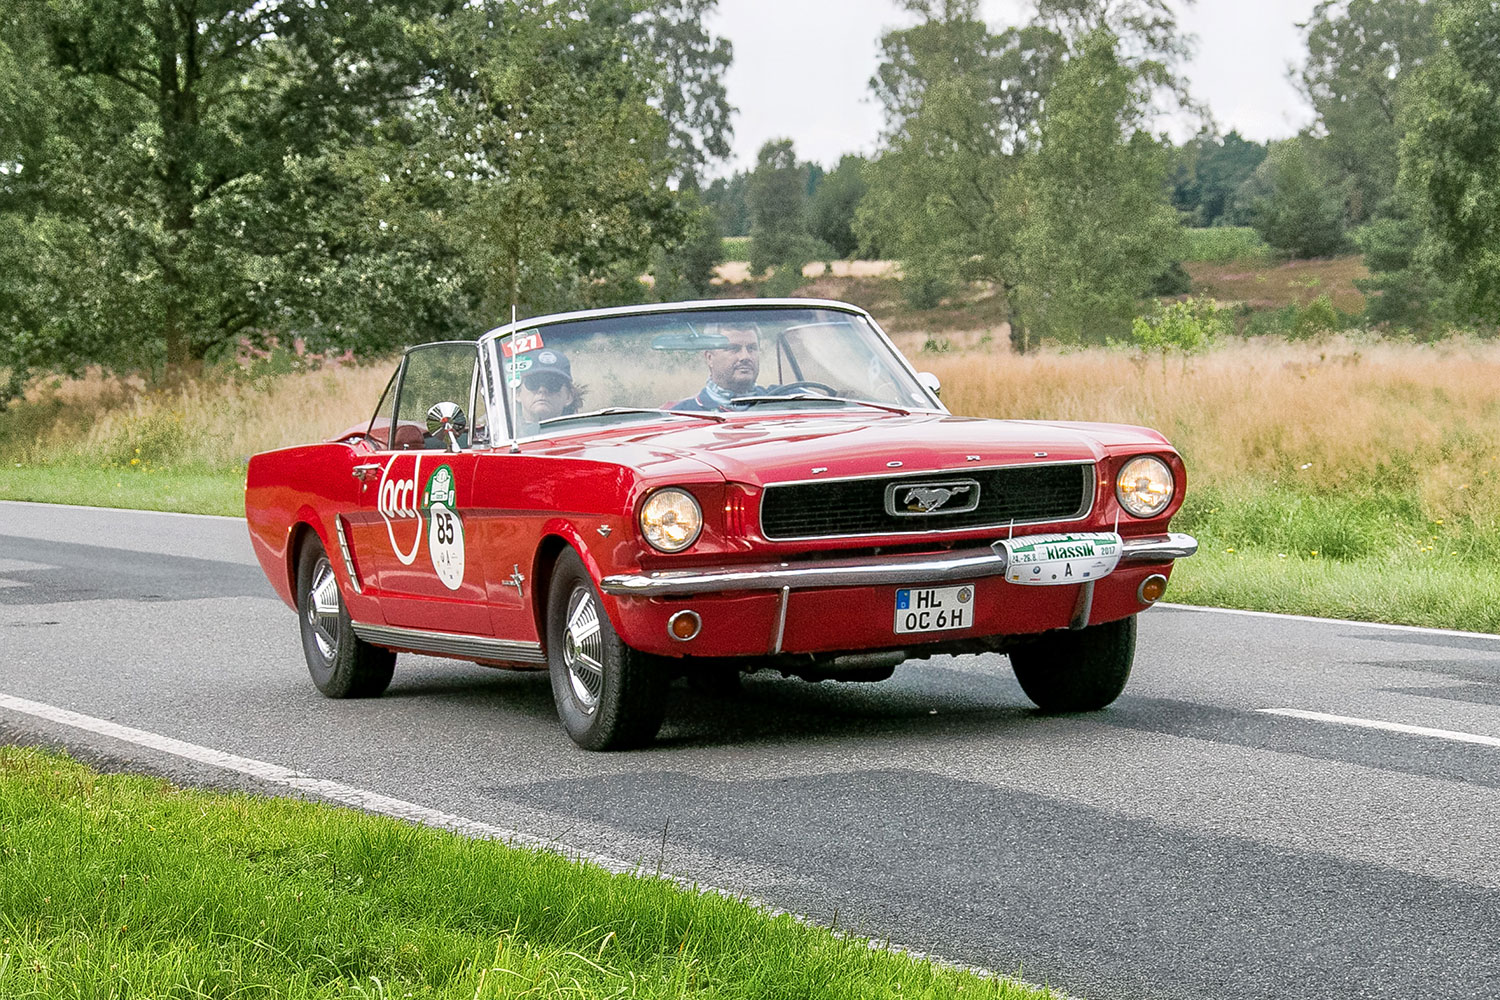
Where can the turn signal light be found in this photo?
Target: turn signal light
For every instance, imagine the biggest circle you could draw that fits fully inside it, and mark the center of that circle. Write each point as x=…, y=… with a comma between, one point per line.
x=1152, y=588
x=684, y=625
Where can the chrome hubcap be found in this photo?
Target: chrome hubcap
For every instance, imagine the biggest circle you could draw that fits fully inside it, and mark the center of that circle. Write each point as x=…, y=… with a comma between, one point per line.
x=583, y=649
x=323, y=609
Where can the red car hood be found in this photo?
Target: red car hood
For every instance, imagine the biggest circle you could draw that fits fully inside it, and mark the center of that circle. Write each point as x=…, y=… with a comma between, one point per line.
x=766, y=449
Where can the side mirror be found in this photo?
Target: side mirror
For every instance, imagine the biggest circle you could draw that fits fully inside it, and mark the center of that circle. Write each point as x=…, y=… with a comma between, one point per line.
x=447, y=420
x=930, y=383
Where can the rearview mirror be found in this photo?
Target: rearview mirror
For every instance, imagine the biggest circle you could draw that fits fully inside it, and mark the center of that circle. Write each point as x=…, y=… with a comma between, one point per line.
x=689, y=340
x=930, y=383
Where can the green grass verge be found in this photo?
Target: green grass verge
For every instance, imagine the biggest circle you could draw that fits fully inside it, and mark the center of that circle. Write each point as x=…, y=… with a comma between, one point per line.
x=736, y=248
x=1361, y=554
x=197, y=491
x=118, y=885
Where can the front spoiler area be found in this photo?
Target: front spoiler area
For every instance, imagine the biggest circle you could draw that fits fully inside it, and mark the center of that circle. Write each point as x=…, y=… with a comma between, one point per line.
x=968, y=564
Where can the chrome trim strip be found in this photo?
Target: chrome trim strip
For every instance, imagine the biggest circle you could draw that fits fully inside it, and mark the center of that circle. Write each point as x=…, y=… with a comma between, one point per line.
x=461, y=647
x=761, y=510
x=967, y=564
x=1084, y=607
x=786, y=596
x=338, y=527
x=1158, y=548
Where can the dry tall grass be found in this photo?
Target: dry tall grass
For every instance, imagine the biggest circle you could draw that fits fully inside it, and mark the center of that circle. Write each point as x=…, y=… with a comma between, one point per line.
x=1321, y=418
x=1325, y=418
x=212, y=423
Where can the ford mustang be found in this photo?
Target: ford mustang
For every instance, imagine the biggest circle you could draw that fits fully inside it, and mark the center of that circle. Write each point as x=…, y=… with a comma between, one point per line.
x=625, y=496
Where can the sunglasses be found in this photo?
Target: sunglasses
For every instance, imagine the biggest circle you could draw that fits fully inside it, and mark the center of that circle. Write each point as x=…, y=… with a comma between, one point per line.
x=544, y=383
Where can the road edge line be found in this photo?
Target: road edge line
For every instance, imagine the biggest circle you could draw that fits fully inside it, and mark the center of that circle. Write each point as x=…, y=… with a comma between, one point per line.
x=1426, y=630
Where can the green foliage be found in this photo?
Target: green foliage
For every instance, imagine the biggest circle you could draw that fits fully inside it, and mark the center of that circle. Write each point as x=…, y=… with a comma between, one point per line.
x=1402, y=291
x=1187, y=327
x=1360, y=53
x=1294, y=202
x=687, y=272
x=1449, y=154
x=1222, y=244
x=1096, y=228
x=1208, y=171
x=777, y=197
x=691, y=94
x=830, y=212
x=726, y=195
x=353, y=174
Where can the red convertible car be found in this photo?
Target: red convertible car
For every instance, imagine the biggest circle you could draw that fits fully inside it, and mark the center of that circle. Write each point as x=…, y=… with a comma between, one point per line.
x=623, y=496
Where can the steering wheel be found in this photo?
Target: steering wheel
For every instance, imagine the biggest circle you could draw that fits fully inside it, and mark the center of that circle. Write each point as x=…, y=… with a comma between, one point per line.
x=791, y=387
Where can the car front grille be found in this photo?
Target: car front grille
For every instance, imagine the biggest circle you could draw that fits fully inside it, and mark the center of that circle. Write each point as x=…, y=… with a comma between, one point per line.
x=1023, y=494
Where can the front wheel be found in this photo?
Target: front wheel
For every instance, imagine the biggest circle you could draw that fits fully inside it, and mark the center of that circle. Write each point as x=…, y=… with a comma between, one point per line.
x=342, y=664
x=1078, y=671
x=609, y=696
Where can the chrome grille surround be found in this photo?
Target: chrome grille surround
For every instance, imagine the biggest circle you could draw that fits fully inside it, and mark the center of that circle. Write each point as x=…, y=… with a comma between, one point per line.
x=855, y=507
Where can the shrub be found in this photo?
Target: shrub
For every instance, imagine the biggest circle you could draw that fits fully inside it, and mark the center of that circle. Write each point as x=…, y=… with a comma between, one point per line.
x=1221, y=244
x=1186, y=326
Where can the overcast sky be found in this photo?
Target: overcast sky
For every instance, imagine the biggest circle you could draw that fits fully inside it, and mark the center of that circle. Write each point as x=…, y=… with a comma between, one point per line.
x=802, y=68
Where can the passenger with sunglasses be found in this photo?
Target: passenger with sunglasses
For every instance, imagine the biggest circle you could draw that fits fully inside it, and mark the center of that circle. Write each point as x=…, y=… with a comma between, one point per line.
x=547, y=390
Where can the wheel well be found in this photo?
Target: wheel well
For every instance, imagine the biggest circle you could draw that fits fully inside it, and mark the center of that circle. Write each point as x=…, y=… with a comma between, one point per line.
x=300, y=532
x=542, y=566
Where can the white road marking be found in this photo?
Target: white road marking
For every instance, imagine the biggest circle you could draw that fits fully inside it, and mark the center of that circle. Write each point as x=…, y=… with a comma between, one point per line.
x=1394, y=727
x=374, y=802
x=18, y=565
x=4, y=583
x=122, y=510
x=1330, y=621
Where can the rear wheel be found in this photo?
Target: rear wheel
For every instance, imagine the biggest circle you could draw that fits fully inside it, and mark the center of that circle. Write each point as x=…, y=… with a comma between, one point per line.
x=1077, y=671
x=609, y=696
x=342, y=664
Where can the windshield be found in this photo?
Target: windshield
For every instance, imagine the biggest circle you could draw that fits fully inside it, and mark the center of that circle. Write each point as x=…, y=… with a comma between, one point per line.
x=711, y=362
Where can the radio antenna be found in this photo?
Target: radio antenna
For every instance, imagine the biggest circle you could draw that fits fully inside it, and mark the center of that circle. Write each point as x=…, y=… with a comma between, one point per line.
x=515, y=390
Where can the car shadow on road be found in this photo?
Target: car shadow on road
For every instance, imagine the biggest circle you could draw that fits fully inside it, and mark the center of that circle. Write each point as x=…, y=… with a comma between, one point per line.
x=922, y=698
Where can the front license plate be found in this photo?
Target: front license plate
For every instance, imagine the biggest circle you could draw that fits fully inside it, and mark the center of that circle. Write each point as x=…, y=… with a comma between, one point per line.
x=1054, y=560
x=934, y=609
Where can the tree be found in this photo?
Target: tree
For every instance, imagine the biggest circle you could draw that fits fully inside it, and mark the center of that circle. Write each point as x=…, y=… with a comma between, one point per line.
x=1208, y=172
x=1449, y=153
x=690, y=93
x=830, y=211
x=1359, y=55
x=161, y=127
x=1293, y=202
x=726, y=196
x=176, y=175
x=948, y=191
x=777, y=197
x=1096, y=227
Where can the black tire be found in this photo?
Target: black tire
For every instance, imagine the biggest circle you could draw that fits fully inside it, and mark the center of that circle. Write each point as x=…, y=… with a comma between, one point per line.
x=609, y=696
x=1078, y=671
x=342, y=664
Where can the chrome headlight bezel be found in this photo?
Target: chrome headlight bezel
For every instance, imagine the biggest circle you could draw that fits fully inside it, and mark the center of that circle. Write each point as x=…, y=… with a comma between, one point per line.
x=1145, y=486
x=667, y=523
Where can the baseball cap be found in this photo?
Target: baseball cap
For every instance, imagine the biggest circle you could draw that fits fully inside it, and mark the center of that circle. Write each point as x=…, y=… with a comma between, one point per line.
x=549, y=360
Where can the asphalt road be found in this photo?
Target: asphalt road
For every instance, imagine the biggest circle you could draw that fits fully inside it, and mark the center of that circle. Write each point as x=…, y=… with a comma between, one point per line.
x=1183, y=843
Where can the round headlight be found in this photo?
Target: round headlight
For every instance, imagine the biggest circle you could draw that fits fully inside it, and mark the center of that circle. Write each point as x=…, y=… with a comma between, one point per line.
x=1145, y=486
x=671, y=520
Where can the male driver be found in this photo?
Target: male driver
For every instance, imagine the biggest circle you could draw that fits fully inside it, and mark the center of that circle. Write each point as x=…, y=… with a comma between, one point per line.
x=731, y=370
x=547, y=390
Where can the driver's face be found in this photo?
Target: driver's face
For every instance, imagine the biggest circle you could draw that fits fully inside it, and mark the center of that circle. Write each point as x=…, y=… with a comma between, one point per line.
x=735, y=367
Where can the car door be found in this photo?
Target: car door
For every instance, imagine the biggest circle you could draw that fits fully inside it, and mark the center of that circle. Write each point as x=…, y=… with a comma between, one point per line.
x=417, y=500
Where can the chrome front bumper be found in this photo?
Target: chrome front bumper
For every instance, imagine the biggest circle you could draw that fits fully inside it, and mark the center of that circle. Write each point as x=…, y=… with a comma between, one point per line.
x=968, y=564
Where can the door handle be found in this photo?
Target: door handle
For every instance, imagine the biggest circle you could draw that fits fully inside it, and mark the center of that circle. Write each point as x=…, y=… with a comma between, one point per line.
x=364, y=472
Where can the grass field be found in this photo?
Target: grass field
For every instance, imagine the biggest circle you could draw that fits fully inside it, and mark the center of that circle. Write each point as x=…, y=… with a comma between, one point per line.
x=118, y=886
x=1335, y=477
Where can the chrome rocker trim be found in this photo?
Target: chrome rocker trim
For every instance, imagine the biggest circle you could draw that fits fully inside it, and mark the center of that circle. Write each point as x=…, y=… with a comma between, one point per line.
x=966, y=565
x=460, y=647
